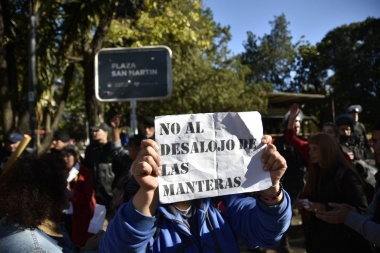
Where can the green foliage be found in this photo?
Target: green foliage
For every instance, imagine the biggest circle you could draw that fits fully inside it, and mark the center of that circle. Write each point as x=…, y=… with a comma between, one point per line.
x=204, y=79
x=352, y=54
x=175, y=22
x=270, y=58
x=308, y=77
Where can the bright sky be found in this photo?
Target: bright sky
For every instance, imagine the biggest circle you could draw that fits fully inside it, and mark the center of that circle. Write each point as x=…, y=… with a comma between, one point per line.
x=311, y=18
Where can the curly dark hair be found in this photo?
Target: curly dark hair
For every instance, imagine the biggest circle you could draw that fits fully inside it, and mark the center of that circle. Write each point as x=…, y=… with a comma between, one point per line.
x=34, y=189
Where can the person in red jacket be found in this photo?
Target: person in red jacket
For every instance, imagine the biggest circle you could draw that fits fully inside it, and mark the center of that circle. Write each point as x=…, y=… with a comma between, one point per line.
x=82, y=200
x=302, y=146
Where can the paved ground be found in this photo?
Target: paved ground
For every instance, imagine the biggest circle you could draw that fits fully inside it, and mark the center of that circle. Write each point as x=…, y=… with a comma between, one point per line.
x=296, y=237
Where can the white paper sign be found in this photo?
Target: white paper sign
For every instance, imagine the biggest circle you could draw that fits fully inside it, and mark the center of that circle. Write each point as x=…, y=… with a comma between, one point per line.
x=97, y=221
x=211, y=154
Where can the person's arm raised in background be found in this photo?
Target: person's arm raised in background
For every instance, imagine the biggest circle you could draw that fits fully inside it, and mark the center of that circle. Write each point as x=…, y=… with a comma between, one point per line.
x=290, y=135
x=115, y=124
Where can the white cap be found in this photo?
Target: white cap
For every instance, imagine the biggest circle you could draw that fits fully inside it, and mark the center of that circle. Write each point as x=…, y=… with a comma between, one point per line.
x=355, y=108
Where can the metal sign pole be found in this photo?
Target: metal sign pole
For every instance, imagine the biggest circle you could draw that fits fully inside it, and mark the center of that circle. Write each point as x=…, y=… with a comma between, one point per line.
x=133, y=117
x=32, y=76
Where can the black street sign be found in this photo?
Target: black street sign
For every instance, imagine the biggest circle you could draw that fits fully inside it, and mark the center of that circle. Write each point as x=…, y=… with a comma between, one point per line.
x=124, y=74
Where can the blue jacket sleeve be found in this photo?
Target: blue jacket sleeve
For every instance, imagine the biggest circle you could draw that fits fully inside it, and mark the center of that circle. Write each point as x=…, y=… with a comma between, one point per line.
x=363, y=224
x=256, y=223
x=129, y=231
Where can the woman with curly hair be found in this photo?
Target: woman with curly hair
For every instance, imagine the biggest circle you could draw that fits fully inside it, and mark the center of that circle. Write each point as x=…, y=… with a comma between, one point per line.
x=33, y=193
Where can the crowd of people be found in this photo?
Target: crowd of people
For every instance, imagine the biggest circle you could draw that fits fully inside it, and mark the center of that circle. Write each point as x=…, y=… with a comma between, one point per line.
x=337, y=172
x=48, y=202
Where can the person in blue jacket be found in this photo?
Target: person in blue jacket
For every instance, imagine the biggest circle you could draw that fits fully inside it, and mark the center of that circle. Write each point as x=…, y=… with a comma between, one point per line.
x=144, y=225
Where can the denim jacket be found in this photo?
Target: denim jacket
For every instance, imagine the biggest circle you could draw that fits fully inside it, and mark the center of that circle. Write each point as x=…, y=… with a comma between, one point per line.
x=14, y=238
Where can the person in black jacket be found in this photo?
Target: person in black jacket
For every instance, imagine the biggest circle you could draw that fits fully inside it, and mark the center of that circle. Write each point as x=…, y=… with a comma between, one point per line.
x=125, y=186
x=147, y=127
x=98, y=158
x=293, y=180
x=331, y=178
x=360, y=132
x=61, y=139
x=13, y=140
x=367, y=225
x=347, y=140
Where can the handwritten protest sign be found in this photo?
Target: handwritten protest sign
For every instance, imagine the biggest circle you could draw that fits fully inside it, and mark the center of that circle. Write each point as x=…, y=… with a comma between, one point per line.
x=211, y=154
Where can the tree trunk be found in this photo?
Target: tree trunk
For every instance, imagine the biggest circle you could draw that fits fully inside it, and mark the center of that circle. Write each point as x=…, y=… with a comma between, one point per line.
x=5, y=90
x=94, y=109
x=68, y=79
